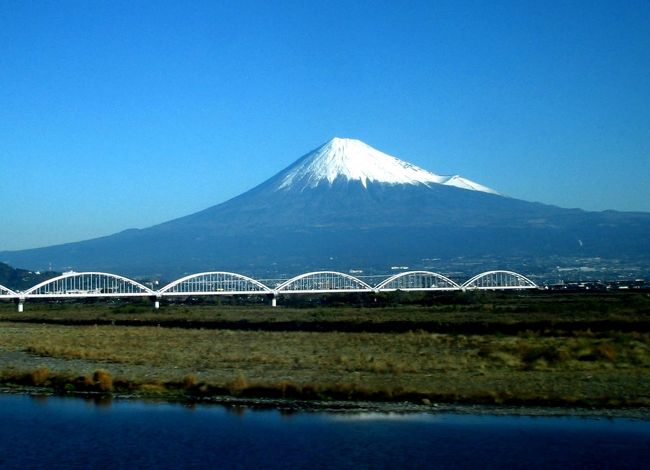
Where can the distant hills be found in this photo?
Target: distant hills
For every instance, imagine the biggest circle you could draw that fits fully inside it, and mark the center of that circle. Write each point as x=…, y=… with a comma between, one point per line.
x=21, y=279
x=346, y=205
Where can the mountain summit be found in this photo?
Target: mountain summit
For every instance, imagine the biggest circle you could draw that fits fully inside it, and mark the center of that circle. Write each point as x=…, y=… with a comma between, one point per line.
x=353, y=160
x=346, y=205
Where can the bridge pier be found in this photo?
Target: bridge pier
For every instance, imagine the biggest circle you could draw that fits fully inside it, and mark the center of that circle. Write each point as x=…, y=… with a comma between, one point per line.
x=20, y=305
x=274, y=301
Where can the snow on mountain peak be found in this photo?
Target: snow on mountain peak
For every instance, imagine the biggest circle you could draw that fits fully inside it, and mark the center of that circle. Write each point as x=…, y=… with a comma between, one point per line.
x=352, y=159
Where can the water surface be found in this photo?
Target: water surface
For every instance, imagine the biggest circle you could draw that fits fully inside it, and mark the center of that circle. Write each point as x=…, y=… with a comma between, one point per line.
x=72, y=432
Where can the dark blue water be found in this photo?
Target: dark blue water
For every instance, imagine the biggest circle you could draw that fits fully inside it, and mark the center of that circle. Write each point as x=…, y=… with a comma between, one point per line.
x=64, y=432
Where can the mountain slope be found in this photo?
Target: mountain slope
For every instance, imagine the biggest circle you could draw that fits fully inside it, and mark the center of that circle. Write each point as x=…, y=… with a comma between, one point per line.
x=347, y=205
x=20, y=279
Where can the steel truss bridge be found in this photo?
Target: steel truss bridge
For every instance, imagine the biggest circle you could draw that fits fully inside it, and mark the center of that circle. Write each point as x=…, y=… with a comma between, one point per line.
x=105, y=285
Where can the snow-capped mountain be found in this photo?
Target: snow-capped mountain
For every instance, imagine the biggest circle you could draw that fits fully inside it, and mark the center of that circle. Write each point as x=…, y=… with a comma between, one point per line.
x=353, y=160
x=347, y=205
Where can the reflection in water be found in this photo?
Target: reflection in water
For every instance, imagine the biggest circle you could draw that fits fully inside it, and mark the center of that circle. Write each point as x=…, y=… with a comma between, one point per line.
x=235, y=410
x=38, y=432
x=391, y=416
x=287, y=413
x=101, y=401
x=39, y=400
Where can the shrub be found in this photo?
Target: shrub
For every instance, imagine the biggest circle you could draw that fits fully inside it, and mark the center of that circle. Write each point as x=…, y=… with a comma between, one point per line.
x=190, y=381
x=607, y=351
x=103, y=381
x=550, y=354
x=39, y=376
x=240, y=383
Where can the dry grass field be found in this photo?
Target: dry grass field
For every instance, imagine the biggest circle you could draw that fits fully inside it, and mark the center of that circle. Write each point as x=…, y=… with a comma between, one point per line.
x=77, y=348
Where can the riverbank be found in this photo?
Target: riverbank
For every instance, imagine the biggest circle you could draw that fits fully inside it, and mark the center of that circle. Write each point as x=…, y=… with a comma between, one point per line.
x=556, y=363
x=340, y=407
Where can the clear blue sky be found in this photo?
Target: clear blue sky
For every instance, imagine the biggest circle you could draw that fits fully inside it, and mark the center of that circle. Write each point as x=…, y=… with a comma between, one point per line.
x=125, y=114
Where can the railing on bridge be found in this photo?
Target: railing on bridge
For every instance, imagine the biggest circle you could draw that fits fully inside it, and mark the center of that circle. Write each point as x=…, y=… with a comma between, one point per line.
x=499, y=280
x=417, y=280
x=214, y=283
x=323, y=282
x=88, y=284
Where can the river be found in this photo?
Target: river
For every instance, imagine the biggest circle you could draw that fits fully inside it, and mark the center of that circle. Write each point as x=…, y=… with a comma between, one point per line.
x=75, y=433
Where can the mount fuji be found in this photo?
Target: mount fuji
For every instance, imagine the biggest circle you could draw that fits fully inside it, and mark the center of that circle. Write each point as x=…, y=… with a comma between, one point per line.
x=353, y=160
x=347, y=205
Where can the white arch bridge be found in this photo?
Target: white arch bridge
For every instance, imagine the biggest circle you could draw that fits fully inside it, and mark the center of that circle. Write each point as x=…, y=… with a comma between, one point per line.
x=99, y=284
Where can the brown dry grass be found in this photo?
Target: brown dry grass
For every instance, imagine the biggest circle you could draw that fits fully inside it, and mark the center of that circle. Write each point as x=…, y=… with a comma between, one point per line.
x=611, y=369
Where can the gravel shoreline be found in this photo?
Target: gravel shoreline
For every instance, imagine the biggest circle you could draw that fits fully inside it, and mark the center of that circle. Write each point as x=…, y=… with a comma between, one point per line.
x=343, y=407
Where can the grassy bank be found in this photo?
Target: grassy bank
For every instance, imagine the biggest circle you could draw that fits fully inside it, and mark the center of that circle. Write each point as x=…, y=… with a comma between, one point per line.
x=470, y=312
x=546, y=365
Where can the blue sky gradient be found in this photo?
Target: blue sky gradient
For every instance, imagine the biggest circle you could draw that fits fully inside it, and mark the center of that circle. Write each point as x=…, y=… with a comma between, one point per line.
x=116, y=115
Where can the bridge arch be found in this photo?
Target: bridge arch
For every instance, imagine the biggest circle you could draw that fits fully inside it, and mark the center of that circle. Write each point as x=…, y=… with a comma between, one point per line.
x=417, y=280
x=215, y=283
x=323, y=282
x=7, y=293
x=89, y=284
x=499, y=280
